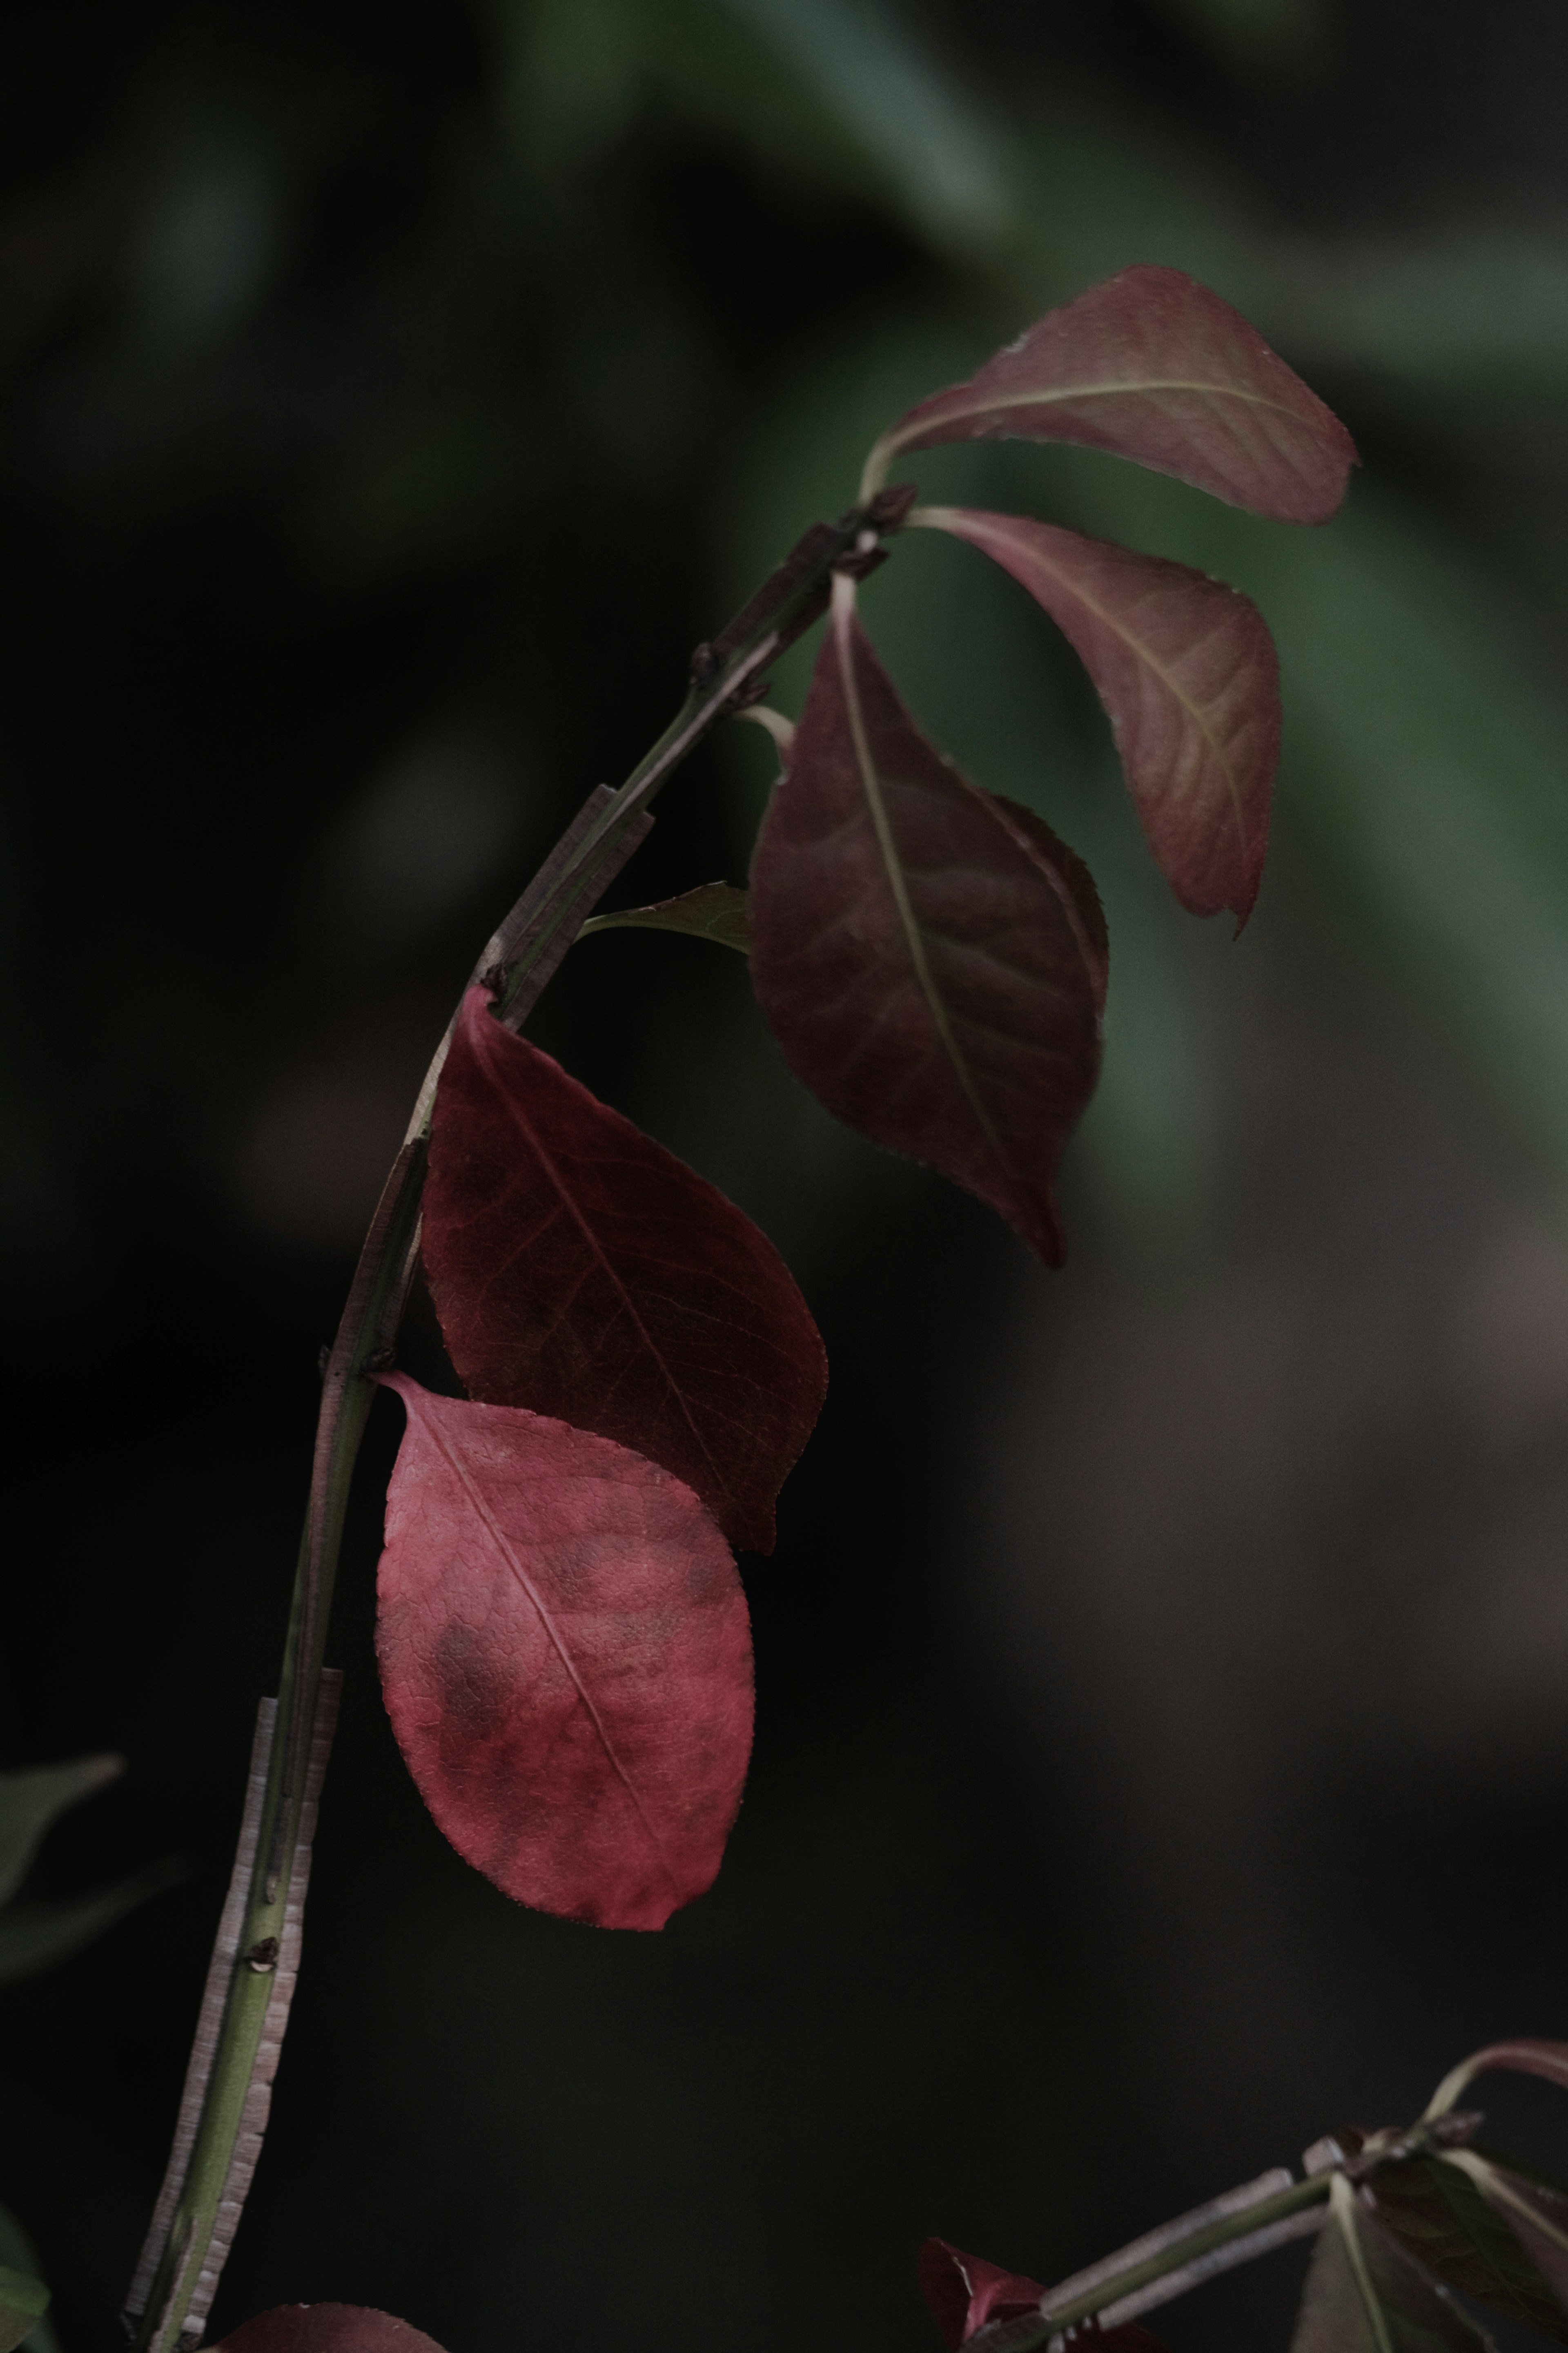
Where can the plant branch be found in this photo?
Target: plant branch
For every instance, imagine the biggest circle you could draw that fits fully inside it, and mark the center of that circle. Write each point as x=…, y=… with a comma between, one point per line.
x=1229, y=2230
x=209, y=2171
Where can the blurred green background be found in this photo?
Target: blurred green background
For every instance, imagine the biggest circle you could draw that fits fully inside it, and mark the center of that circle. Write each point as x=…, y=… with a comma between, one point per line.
x=1162, y=1751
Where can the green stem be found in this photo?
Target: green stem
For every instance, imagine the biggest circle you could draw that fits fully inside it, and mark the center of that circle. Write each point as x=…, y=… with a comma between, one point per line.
x=518, y=962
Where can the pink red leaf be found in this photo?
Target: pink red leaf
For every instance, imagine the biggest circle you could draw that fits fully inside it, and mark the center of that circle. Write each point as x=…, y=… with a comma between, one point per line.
x=930, y=959
x=965, y=2291
x=1186, y=669
x=327, y=2328
x=566, y=1659
x=577, y=1265
x=1152, y=367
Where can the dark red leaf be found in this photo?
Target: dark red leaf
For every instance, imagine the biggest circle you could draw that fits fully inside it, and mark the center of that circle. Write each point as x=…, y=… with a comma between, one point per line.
x=566, y=1659
x=327, y=2328
x=930, y=959
x=1450, y=2220
x=1536, y=2212
x=577, y=1265
x=965, y=2291
x=1152, y=366
x=1364, y=2295
x=1186, y=669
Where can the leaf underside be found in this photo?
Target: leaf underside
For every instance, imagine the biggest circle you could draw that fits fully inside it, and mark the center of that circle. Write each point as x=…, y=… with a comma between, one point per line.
x=965, y=2291
x=1439, y=2215
x=714, y=910
x=578, y=1267
x=1188, y=675
x=326, y=2329
x=1364, y=2295
x=1151, y=366
x=930, y=959
x=566, y=1659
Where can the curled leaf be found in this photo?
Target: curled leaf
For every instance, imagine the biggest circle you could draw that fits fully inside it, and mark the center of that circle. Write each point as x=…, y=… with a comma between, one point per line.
x=1364, y=2295
x=576, y=1264
x=1525, y=2055
x=1152, y=367
x=1187, y=671
x=326, y=2329
x=1446, y=2218
x=965, y=2291
x=566, y=1659
x=714, y=910
x=931, y=959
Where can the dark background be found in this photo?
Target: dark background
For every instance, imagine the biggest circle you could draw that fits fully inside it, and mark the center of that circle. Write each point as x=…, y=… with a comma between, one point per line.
x=1163, y=1753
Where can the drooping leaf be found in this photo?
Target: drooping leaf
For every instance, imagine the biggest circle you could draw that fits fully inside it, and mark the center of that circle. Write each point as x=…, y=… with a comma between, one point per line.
x=35, y=1934
x=930, y=959
x=22, y=2303
x=18, y=2253
x=33, y=1798
x=1535, y=2210
x=566, y=1659
x=1152, y=367
x=965, y=2291
x=577, y=1265
x=1439, y=2213
x=714, y=910
x=1364, y=2295
x=1187, y=671
x=1526, y=2055
x=326, y=2329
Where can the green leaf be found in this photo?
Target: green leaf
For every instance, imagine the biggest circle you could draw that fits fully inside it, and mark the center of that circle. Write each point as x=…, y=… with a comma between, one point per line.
x=1364, y=2295
x=714, y=910
x=22, y=2303
x=30, y=1800
x=35, y=1935
x=1439, y=2213
x=17, y=2250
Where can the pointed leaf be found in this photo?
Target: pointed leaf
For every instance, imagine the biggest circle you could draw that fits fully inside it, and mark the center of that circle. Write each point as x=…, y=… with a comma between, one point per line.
x=1364, y=2295
x=1152, y=367
x=18, y=2253
x=31, y=1800
x=965, y=2291
x=714, y=910
x=1187, y=671
x=22, y=2303
x=566, y=1659
x=35, y=1935
x=576, y=1264
x=1536, y=2212
x=327, y=2328
x=1527, y=2055
x=1439, y=2215
x=930, y=959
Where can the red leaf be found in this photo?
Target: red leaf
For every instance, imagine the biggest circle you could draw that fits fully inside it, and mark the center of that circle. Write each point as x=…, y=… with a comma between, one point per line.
x=566, y=1659
x=577, y=1265
x=1186, y=669
x=327, y=2328
x=965, y=2291
x=1152, y=366
x=930, y=959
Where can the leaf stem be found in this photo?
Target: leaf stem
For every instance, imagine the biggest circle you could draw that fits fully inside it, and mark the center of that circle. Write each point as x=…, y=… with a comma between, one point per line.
x=517, y=963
